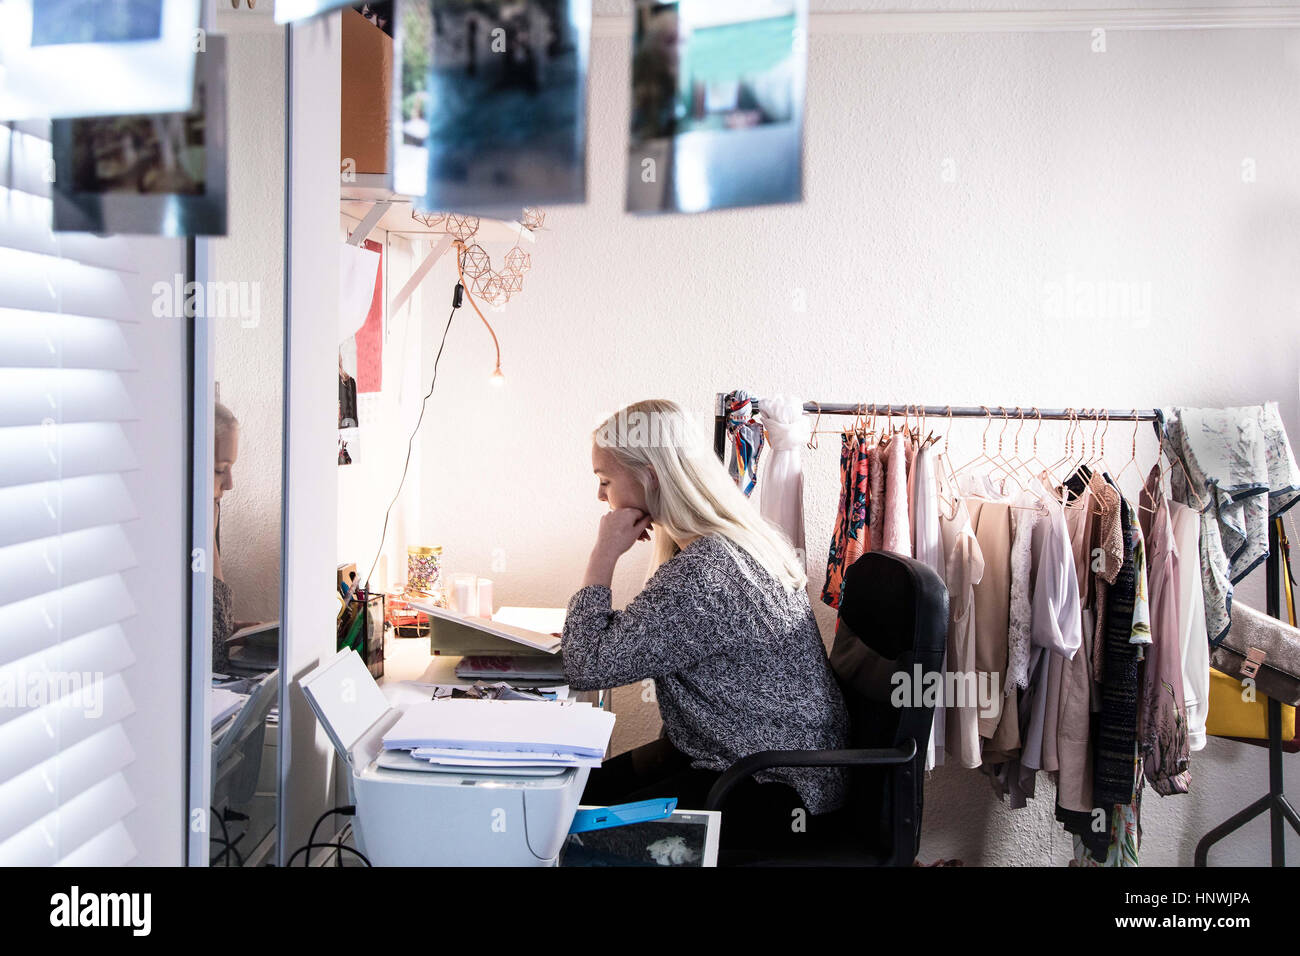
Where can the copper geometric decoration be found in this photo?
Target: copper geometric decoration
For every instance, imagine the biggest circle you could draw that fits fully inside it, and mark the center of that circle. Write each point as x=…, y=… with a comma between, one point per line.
x=474, y=261
x=479, y=283
x=462, y=227
x=428, y=219
x=511, y=282
x=532, y=218
x=492, y=290
x=518, y=261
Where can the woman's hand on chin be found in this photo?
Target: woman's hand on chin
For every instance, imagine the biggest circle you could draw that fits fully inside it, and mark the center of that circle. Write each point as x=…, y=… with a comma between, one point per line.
x=619, y=530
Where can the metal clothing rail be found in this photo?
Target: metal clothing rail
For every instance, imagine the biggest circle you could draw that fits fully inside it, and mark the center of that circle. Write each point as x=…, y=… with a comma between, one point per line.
x=991, y=412
x=1275, y=802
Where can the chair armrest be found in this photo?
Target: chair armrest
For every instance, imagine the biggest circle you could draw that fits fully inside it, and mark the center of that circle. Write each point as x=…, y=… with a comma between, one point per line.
x=767, y=759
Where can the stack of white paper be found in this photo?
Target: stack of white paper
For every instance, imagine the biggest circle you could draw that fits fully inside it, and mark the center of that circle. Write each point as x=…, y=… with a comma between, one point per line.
x=540, y=620
x=503, y=733
x=451, y=757
x=224, y=703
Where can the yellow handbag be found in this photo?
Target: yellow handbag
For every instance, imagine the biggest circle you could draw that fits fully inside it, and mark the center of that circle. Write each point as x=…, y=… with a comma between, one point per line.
x=1228, y=714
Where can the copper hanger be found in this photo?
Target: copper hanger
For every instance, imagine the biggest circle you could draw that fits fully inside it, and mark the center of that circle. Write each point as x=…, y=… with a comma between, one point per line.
x=887, y=432
x=851, y=426
x=812, y=439
x=1015, y=461
x=1002, y=462
x=1044, y=473
x=1105, y=430
x=1067, y=443
x=1133, y=461
x=984, y=448
x=1092, y=444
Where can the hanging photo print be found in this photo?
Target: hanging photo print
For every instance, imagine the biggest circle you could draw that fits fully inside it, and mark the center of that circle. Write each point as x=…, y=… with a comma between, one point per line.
x=410, y=121
x=717, y=104
x=509, y=80
x=72, y=58
x=154, y=174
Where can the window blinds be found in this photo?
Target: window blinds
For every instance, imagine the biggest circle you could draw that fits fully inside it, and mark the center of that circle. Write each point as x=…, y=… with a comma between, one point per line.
x=66, y=329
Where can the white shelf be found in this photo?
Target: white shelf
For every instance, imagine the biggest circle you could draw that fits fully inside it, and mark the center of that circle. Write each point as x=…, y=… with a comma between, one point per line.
x=358, y=198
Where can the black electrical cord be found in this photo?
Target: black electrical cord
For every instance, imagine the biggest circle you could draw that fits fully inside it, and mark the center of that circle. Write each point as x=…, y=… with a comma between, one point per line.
x=346, y=811
x=332, y=846
x=224, y=841
x=227, y=848
x=455, y=304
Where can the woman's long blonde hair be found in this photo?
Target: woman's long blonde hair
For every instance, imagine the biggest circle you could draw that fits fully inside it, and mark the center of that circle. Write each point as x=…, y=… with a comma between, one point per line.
x=695, y=495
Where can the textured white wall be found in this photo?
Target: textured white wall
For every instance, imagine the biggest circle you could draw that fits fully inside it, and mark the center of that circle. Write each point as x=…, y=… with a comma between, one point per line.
x=249, y=359
x=1123, y=167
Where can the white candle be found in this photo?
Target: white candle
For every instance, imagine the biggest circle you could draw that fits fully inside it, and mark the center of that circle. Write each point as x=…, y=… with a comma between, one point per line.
x=466, y=588
x=485, y=597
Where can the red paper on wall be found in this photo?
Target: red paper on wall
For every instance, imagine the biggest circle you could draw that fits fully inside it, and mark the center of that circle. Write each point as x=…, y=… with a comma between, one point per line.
x=370, y=337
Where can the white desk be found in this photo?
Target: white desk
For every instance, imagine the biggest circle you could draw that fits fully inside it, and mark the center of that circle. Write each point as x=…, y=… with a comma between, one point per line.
x=408, y=658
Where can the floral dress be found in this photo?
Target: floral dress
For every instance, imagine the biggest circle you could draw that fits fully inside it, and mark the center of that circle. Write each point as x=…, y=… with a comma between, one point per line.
x=850, y=540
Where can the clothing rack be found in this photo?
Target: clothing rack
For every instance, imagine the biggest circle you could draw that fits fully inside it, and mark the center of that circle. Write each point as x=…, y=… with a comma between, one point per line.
x=1275, y=800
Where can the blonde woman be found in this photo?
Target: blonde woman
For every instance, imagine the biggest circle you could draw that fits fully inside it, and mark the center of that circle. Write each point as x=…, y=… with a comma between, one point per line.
x=225, y=454
x=723, y=627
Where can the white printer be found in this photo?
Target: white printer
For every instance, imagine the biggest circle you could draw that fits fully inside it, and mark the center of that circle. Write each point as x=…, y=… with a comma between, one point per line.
x=410, y=813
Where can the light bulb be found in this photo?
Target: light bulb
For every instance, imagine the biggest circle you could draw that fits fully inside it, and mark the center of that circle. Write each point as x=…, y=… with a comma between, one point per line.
x=498, y=378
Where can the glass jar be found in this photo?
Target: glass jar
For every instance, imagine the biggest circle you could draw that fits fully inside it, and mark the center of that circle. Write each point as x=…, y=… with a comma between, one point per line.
x=424, y=569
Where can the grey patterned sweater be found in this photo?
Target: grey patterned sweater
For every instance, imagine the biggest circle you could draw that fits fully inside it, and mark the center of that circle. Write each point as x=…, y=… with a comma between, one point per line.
x=738, y=663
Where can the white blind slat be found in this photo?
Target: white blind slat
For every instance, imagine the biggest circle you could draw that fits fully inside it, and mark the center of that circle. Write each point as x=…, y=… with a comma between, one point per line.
x=38, y=340
x=52, y=452
x=39, y=735
x=41, y=510
x=30, y=396
x=25, y=226
x=40, y=791
x=75, y=823
x=30, y=169
x=30, y=280
x=35, y=567
x=113, y=847
x=62, y=671
x=30, y=626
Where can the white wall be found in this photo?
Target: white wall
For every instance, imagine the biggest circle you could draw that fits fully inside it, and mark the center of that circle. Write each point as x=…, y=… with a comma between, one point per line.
x=249, y=355
x=160, y=580
x=311, y=482
x=1070, y=166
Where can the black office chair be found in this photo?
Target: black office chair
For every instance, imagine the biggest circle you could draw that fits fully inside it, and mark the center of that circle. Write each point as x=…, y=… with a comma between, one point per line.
x=897, y=608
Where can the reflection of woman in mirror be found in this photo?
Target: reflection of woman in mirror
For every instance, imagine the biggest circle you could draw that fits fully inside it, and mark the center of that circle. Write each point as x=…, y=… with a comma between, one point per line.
x=226, y=450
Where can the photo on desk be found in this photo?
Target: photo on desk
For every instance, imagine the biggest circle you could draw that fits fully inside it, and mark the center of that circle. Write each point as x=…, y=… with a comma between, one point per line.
x=687, y=838
x=717, y=104
x=161, y=174
x=509, y=78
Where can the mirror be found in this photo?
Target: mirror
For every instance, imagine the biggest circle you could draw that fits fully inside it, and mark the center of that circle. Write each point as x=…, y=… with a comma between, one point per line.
x=238, y=483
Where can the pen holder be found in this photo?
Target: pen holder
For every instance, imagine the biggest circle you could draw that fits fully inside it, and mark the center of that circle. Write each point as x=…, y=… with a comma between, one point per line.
x=361, y=628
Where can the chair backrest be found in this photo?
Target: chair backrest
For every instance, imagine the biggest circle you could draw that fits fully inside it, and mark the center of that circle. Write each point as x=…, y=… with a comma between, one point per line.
x=897, y=608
